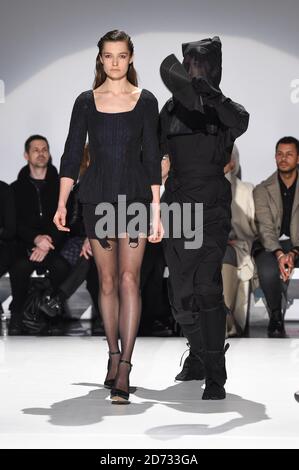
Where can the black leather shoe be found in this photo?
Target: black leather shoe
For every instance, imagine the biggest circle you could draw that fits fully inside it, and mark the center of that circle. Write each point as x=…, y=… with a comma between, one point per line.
x=193, y=369
x=161, y=330
x=215, y=375
x=276, y=328
x=213, y=391
x=52, y=306
x=118, y=396
x=15, y=331
x=15, y=326
x=108, y=383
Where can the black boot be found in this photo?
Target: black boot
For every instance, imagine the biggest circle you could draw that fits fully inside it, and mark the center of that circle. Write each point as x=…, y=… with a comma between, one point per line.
x=276, y=325
x=215, y=375
x=15, y=326
x=193, y=368
x=52, y=306
x=212, y=326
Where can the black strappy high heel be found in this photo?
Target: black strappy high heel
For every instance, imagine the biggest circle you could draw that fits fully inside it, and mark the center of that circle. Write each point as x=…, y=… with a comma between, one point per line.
x=110, y=382
x=118, y=396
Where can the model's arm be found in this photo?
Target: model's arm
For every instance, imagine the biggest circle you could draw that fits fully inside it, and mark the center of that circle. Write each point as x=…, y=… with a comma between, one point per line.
x=164, y=122
x=71, y=158
x=74, y=145
x=195, y=93
x=233, y=116
x=59, y=219
x=152, y=162
x=150, y=145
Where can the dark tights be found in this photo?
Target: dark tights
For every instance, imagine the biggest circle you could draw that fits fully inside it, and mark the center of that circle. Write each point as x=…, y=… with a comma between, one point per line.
x=119, y=299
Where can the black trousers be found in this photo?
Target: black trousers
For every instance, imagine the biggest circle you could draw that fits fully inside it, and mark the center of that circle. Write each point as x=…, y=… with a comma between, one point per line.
x=75, y=278
x=155, y=305
x=269, y=275
x=195, y=280
x=85, y=269
x=7, y=254
x=21, y=271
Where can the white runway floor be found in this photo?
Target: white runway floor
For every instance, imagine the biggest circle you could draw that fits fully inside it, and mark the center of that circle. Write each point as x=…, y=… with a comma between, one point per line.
x=52, y=396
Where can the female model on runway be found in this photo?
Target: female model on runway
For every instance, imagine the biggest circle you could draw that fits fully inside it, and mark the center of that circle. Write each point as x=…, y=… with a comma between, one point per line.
x=121, y=121
x=198, y=129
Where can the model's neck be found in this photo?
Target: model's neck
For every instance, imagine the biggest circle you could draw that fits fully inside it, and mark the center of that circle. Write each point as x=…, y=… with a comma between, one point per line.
x=117, y=87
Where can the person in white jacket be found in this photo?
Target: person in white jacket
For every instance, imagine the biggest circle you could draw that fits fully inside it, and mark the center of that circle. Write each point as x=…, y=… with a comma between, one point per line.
x=238, y=266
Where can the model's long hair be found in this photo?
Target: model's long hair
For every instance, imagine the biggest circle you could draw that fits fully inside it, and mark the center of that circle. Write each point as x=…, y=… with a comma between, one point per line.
x=100, y=75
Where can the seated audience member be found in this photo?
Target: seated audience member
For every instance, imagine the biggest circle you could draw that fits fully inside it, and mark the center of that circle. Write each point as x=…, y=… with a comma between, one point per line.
x=277, y=217
x=238, y=267
x=7, y=227
x=36, y=193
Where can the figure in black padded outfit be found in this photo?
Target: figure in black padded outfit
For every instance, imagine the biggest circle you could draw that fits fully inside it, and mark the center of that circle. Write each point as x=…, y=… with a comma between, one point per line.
x=198, y=128
x=121, y=121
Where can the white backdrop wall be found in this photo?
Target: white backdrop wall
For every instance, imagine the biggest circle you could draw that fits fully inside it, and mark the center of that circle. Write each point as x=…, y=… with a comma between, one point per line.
x=48, y=50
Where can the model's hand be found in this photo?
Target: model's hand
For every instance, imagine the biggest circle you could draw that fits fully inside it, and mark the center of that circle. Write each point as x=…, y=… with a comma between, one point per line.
x=60, y=219
x=86, y=249
x=44, y=242
x=157, y=230
x=38, y=254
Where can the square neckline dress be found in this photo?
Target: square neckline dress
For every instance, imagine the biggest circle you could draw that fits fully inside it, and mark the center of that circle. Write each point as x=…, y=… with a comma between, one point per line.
x=124, y=156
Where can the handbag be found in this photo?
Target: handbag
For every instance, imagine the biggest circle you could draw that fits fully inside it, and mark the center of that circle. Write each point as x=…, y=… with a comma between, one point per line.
x=71, y=249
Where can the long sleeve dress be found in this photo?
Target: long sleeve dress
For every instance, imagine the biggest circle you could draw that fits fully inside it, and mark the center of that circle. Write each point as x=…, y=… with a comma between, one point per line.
x=124, y=155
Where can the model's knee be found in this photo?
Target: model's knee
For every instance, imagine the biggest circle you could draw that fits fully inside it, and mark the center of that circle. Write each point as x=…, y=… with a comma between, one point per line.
x=128, y=280
x=108, y=284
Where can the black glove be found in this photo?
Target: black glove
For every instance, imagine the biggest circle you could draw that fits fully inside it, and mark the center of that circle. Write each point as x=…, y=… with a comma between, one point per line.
x=179, y=83
x=210, y=95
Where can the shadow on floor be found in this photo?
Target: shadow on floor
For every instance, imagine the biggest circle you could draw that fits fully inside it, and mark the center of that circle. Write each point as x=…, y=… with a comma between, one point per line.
x=184, y=398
